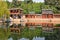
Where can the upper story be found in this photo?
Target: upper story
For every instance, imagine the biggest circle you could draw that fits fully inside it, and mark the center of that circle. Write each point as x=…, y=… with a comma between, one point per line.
x=16, y=11
x=46, y=13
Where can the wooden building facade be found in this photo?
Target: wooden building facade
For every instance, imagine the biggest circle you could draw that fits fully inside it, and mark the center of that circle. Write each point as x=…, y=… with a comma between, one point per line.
x=46, y=14
x=16, y=12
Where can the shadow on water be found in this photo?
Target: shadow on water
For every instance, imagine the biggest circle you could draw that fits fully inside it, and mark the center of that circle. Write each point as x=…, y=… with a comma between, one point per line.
x=14, y=31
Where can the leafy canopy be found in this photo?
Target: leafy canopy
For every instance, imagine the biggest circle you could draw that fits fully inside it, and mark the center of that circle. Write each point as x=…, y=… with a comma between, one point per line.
x=3, y=8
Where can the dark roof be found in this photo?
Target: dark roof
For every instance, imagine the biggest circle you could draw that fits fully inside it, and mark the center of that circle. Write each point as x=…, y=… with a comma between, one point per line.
x=47, y=11
x=15, y=8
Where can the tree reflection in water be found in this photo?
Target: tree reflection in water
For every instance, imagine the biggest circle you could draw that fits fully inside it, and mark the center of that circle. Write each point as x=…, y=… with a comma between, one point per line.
x=4, y=31
x=27, y=33
x=55, y=36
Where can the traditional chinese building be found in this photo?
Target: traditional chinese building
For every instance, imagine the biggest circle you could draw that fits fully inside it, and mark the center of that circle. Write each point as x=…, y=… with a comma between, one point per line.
x=46, y=18
x=16, y=12
x=33, y=16
x=56, y=15
x=34, y=19
x=46, y=13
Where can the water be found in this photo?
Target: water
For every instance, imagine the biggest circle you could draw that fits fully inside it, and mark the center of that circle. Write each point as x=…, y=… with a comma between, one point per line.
x=13, y=31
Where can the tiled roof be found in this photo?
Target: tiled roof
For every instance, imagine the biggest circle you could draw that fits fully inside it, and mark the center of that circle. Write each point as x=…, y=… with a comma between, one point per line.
x=15, y=8
x=47, y=11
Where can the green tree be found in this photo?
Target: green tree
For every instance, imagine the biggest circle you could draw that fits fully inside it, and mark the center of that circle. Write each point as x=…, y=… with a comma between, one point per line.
x=3, y=9
x=16, y=3
x=35, y=7
x=55, y=3
x=4, y=34
x=8, y=4
x=28, y=1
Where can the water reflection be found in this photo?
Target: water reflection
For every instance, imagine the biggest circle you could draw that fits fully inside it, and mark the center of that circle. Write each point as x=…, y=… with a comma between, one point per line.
x=10, y=39
x=21, y=31
x=24, y=39
x=39, y=38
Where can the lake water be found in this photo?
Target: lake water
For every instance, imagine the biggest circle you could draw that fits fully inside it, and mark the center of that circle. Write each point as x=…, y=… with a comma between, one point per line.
x=13, y=31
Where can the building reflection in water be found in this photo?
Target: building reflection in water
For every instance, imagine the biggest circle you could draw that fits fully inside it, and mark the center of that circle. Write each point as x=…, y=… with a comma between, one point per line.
x=31, y=30
x=10, y=39
x=17, y=30
x=23, y=39
x=39, y=38
x=46, y=27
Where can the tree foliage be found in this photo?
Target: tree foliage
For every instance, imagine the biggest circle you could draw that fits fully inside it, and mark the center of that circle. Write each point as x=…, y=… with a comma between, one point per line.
x=35, y=7
x=55, y=3
x=3, y=8
x=30, y=6
x=4, y=34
